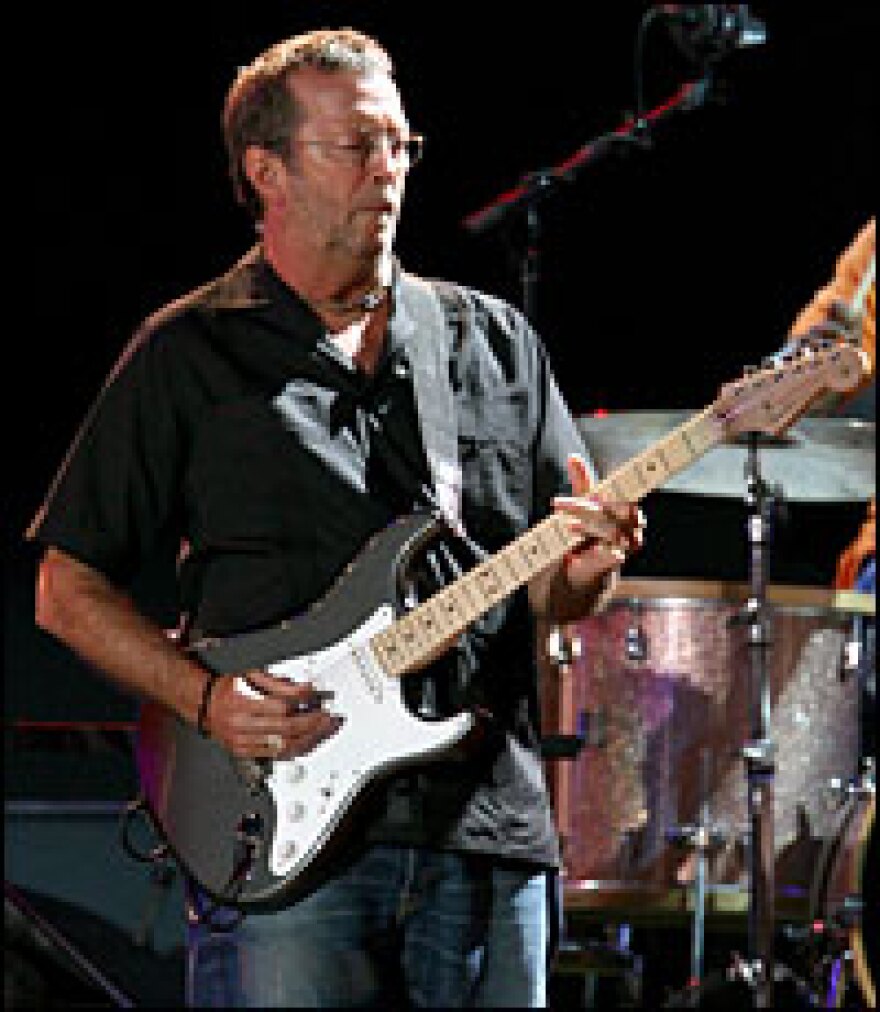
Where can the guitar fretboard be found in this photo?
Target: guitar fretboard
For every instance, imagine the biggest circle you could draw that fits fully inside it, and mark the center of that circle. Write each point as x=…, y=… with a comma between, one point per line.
x=424, y=632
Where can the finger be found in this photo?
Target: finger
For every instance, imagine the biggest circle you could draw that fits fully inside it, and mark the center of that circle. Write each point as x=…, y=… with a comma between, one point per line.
x=305, y=741
x=286, y=724
x=636, y=530
x=579, y=474
x=245, y=700
x=622, y=512
x=284, y=688
x=281, y=744
x=589, y=519
x=830, y=330
x=626, y=514
x=587, y=564
x=841, y=312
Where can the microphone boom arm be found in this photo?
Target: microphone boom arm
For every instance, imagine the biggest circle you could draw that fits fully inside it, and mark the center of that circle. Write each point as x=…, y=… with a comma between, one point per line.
x=534, y=186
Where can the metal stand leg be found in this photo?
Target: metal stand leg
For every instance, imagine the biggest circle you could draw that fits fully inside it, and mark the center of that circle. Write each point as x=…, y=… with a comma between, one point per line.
x=759, y=753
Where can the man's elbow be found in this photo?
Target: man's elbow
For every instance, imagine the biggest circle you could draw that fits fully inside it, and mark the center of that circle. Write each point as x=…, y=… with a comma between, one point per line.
x=56, y=585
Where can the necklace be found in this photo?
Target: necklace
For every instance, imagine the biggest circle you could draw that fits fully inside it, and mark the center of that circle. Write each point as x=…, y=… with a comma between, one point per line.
x=367, y=302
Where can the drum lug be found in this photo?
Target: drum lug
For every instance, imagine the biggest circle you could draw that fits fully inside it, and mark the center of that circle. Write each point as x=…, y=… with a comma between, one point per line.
x=636, y=643
x=852, y=656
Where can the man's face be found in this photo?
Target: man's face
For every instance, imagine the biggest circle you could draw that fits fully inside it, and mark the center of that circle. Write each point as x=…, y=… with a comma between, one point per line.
x=344, y=193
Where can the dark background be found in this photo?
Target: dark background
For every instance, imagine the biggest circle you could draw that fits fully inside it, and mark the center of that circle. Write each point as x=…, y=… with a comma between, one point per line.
x=663, y=272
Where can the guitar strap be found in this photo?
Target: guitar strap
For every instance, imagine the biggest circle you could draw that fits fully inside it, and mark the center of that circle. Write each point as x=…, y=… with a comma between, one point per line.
x=422, y=326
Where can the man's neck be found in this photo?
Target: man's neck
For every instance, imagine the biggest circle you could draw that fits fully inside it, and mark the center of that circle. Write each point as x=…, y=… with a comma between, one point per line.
x=339, y=288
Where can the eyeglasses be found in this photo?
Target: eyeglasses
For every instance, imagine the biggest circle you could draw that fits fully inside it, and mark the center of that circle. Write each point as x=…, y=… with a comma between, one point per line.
x=361, y=150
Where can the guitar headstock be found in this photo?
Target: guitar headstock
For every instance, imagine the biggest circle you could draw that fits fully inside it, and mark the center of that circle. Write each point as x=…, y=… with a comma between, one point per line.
x=771, y=399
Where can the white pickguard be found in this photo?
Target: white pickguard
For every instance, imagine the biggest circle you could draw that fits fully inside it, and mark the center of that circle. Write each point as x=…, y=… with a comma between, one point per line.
x=313, y=792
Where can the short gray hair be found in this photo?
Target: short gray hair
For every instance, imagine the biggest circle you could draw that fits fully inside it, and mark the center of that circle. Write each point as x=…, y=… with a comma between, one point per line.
x=260, y=108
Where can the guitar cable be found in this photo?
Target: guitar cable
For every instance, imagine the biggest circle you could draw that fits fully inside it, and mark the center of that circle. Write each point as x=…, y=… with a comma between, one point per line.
x=161, y=859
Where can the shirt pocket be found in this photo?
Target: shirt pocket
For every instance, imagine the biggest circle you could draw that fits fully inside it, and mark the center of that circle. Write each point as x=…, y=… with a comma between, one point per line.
x=495, y=436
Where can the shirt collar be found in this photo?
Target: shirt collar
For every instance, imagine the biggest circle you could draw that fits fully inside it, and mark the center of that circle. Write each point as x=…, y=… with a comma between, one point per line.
x=252, y=284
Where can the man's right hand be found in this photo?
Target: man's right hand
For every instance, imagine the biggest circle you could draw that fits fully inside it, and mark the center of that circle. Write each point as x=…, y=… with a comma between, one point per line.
x=252, y=714
x=258, y=716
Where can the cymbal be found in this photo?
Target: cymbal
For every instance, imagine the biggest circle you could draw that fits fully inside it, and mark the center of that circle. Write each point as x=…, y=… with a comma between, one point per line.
x=822, y=459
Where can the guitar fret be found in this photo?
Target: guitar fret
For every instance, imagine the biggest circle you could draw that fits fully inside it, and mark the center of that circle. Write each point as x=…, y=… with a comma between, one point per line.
x=474, y=595
x=529, y=550
x=564, y=536
x=427, y=617
x=655, y=464
x=686, y=439
x=539, y=552
x=471, y=607
x=446, y=600
x=622, y=482
x=507, y=557
x=487, y=579
x=651, y=468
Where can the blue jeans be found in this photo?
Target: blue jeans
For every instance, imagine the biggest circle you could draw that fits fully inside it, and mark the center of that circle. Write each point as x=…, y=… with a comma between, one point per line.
x=400, y=926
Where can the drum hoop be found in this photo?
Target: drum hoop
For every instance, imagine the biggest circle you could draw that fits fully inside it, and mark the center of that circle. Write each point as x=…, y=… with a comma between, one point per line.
x=861, y=967
x=832, y=615
x=706, y=593
x=723, y=899
x=863, y=817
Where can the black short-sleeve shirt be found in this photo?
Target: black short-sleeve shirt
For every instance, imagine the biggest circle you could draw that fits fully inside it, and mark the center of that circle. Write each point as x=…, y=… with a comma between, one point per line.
x=232, y=427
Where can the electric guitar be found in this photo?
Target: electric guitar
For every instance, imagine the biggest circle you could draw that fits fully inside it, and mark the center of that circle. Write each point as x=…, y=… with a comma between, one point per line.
x=259, y=834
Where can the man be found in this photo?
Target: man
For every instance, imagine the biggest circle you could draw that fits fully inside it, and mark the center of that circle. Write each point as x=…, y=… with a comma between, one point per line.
x=271, y=422
x=852, y=271
x=846, y=307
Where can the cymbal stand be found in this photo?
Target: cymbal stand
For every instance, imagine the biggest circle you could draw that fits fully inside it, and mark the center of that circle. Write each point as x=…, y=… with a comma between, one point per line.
x=698, y=933
x=759, y=752
x=701, y=838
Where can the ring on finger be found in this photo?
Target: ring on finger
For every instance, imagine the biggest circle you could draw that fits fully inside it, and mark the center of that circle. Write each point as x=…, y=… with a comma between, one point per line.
x=275, y=743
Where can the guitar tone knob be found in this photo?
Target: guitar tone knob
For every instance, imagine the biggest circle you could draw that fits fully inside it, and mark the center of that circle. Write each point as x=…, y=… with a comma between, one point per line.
x=296, y=812
x=296, y=772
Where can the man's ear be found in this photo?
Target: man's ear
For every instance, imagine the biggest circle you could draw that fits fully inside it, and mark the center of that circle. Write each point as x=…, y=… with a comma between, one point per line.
x=264, y=170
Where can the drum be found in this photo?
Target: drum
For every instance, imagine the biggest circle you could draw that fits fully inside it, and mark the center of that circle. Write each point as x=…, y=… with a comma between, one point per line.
x=843, y=883
x=656, y=690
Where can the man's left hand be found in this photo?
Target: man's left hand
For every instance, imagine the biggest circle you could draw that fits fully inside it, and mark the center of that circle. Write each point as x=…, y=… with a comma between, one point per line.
x=610, y=533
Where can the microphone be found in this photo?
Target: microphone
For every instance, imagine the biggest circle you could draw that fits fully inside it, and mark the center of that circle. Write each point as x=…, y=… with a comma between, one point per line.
x=707, y=32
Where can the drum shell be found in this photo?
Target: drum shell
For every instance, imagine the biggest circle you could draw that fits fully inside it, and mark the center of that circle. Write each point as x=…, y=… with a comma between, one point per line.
x=661, y=685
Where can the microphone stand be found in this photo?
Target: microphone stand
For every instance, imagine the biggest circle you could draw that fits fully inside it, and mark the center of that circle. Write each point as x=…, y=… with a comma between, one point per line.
x=535, y=186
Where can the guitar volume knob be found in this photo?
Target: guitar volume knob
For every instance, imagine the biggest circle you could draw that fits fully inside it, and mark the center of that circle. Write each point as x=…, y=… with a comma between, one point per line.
x=296, y=772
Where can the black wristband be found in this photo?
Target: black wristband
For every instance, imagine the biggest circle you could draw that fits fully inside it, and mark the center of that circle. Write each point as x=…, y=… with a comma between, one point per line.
x=213, y=676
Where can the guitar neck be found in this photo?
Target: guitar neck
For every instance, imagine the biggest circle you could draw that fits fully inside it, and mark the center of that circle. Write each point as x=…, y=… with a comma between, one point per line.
x=413, y=640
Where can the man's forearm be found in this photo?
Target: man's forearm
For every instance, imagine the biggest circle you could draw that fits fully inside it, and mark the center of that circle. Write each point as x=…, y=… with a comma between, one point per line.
x=100, y=623
x=552, y=596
